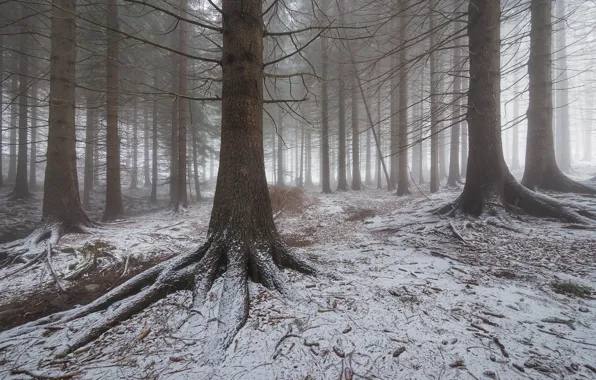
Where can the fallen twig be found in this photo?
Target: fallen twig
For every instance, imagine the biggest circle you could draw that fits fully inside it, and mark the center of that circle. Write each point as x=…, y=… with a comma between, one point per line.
x=18, y=371
x=565, y=338
x=456, y=233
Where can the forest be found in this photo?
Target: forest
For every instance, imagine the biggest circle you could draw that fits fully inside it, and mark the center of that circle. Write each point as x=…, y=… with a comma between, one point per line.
x=297, y=189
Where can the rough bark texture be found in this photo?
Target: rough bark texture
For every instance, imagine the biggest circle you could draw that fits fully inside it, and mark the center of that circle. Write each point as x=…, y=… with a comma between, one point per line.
x=394, y=125
x=146, y=167
x=280, y=152
x=134, y=172
x=342, y=181
x=434, y=108
x=515, y=129
x=181, y=199
x=114, y=206
x=325, y=169
x=1, y=110
x=33, y=158
x=242, y=240
x=404, y=171
x=174, y=128
x=21, y=189
x=195, y=159
x=563, y=151
x=541, y=170
x=154, y=179
x=454, y=175
x=14, y=87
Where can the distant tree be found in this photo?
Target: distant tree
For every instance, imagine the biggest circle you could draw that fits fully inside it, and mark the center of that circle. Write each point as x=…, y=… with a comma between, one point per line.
x=325, y=165
x=435, y=180
x=454, y=175
x=403, y=170
x=181, y=199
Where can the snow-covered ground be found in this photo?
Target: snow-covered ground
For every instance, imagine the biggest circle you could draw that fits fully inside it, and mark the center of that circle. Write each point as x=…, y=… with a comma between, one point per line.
x=412, y=300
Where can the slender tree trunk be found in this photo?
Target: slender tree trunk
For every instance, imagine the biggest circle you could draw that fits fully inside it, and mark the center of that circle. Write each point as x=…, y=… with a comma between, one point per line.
x=146, y=170
x=280, y=151
x=403, y=180
x=195, y=159
x=113, y=208
x=174, y=128
x=368, y=177
x=394, y=147
x=464, y=137
x=89, y=136
x=422, y=152
x=342, y=181
x=325, y=164
x=182, y=109
x=515, y=129
x=61, y=201
x=14, y=87
x=356, y=179
x=302, y=154
x=154, y=173
x=454, y=175
x=21, y=190
x=308, y=169
x=588, y=126
x=378, y=150
x=562, y=91
x=1, y=111
x=33, y=159
x=135, y=147
x=434, y=107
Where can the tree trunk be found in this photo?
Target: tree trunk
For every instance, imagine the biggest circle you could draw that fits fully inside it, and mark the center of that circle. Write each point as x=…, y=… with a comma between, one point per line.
x=89, y=136
x=378, y=150
x=435, y=181
x=146, y=170
x=182, y=109
x=33, y=159
x=21, y=189
x=515, y=131
x=61, y=202
x=308, y=158
x=113, y=208
x=154, y=174
x=135, y=147
x=563, y=153
x=464, y=137
x=174, y=128
x=454, y=175
x=195, y=158
x=356, y=179
x=342, y=181
x=1, y=111
x=403, y=180
x=302, y=154
x=394, y=138
x=325, y=164
x=14, y=87
x=422, y=152
x=541, y=170
x=280, y=151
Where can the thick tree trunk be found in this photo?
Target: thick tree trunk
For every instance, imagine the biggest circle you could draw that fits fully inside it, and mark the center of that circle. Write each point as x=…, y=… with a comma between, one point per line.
x=541, y=170
x=434, y=107
x=454, y=174
x=356, y=178
x=61, y=202
x=135, y=147
x=342, y=181
x=403, y=180
x=563, y=153
x=89, y=137
x=33, y=159
x=146, y=168
x=325, y=164
x=21, y=189
x=113, y=208
x=181, y=199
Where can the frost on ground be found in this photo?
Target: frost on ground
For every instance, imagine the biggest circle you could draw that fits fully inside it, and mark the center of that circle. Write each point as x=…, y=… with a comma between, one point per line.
x=414, y=297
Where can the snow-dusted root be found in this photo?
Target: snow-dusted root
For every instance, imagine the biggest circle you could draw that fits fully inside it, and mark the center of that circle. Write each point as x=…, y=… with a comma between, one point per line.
x=517, y=198
x=194, y=271
x=561, y=183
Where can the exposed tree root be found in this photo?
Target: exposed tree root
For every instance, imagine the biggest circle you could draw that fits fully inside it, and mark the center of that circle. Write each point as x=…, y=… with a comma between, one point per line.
x=559, y=182
x=38, y=245
x=194, y=271
x=517, y=199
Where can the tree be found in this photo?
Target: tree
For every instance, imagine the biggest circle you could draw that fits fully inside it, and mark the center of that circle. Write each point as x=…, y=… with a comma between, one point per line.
x=563, y=152
x=454, y=174
x=280, y=143
x=33, y=159
x=154, y=172
x=403, y=180
x=181, y=199
x=12, y=158
x=342, y=180
x=1, y=109
x=89, y=143
x=542, y=171
x=356, y=178
x=490, y=188
x=21, y=189
x=435, y=180
x=515, y=142
x=325, y=170
x=242, y=239
x=61, y=210
x=113, y=208
x=146, y=167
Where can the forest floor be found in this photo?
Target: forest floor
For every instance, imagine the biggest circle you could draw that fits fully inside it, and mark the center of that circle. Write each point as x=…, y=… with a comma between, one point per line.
x=420, y=297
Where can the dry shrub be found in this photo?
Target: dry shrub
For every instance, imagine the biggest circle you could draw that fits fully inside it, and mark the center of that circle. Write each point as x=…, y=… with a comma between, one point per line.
x=289, y=200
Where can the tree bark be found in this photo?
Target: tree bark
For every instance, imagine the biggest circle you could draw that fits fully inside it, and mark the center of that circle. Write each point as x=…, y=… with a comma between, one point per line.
x=89, y=137
x=154, y=173
x=563, y=153
x=280, y=151
x=146, y=167
x=342, y=181
x=113, y=208
x=379, y=154
x=61, y=202
x=14, y=87
x=435, y=181
x=182, y=200
x=174, y=155
x=195, y=158
x=33, y=159
x=21, y=189
x=541, y=170
x=135, y=147
x=1, y=111
x=356, y=178
x=515, y=130
x=325, y=164
x=403, y=180
x=454, y=174
x=394, y=131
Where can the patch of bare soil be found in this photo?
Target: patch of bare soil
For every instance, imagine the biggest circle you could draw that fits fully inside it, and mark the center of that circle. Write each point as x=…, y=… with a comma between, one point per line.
x=48, y=300
x=359, y=215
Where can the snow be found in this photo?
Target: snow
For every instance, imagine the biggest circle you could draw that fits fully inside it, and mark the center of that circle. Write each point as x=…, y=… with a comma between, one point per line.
x=406, y=300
